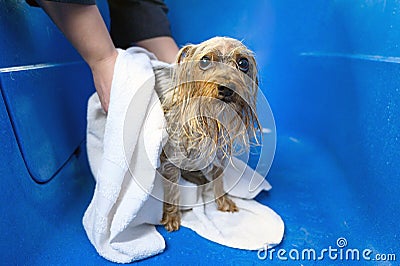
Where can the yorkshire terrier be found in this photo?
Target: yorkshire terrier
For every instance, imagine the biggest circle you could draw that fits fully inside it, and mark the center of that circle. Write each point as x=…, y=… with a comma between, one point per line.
x=210, y=110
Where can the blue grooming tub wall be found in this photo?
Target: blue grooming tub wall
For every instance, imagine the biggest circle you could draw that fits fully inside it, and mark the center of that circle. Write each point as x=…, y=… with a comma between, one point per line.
x=331, y=73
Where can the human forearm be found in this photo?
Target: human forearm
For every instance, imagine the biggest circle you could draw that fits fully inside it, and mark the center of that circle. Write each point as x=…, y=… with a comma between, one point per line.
x=84, y=27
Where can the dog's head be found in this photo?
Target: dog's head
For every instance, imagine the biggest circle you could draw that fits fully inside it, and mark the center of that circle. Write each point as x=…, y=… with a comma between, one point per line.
x=221, y=67
x=215, y=87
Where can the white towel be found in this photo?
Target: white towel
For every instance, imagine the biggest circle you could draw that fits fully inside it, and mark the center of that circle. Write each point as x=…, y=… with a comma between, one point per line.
x=123, y=150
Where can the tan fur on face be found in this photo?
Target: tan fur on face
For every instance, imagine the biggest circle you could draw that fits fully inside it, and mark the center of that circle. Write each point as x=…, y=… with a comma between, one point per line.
x=204, y=130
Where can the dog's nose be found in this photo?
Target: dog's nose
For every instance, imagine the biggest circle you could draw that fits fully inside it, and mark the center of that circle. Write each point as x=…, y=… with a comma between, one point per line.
x=225, y=91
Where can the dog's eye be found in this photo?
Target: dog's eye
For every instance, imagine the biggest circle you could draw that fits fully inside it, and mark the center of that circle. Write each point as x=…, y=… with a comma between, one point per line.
x=205, y=62
x=243, y=64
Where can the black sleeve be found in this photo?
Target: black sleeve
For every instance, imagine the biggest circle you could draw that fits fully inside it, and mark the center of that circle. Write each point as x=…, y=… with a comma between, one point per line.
x=135, y=20
x=131, y=20
x=82, y=2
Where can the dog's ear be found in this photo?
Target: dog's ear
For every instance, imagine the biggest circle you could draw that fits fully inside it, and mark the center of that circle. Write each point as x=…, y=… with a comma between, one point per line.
x=184, y=52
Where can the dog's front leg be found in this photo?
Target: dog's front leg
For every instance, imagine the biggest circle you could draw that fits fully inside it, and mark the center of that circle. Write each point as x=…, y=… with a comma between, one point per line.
x=223, y=202
x=171, y=214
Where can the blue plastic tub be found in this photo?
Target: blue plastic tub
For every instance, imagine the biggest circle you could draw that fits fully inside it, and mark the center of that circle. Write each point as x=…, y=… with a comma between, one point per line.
x=331, y=73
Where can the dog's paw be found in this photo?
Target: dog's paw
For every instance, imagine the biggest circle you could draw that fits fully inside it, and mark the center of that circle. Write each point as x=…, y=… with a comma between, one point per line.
x=225, y=204
x=171, y=222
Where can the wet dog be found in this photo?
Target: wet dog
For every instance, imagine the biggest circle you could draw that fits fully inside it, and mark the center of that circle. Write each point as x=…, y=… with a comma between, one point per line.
x=210, y=110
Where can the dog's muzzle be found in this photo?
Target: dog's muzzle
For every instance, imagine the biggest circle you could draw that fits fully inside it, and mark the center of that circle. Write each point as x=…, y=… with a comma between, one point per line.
x=225, y=93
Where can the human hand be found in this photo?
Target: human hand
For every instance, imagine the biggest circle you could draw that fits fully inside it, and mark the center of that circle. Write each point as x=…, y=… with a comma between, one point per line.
x=103, y=72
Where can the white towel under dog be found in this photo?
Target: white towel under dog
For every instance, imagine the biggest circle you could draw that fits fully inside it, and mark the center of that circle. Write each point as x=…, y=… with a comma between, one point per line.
x=123, y=150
